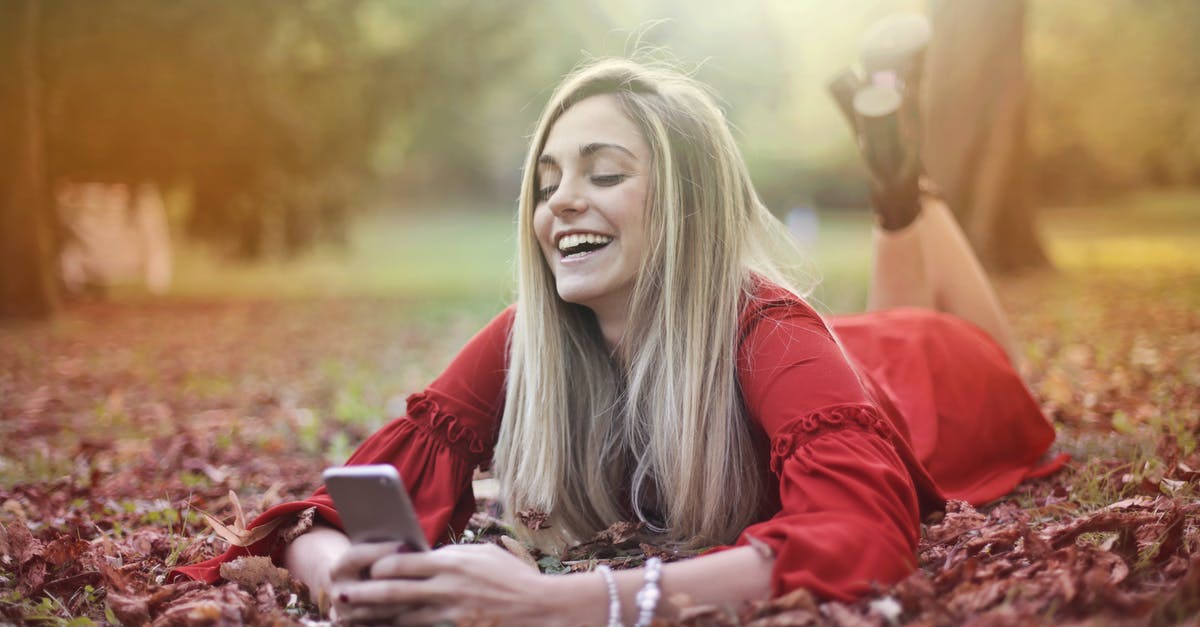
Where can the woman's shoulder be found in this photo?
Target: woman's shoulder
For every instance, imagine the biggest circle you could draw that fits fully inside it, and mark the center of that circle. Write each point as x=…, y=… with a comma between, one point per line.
x=768, y=306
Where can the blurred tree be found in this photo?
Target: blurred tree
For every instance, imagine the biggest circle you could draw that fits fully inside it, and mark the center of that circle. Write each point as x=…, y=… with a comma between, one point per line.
x=1115, y=87
x=28, y=286
x=975, y=136
x=271, y=111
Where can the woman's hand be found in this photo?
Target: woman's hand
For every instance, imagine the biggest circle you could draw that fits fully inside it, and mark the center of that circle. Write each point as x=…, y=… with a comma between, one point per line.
x=386, y=582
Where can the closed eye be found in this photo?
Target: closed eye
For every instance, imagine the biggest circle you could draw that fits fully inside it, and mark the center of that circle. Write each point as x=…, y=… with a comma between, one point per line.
x=546, y=192
x=608, y=180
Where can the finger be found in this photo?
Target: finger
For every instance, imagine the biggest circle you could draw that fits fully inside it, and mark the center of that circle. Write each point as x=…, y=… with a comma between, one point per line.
x=430, y=615
x=421, y=565
x=359, y=557
x=382, y=592
x=368, y=614
x=454, y=559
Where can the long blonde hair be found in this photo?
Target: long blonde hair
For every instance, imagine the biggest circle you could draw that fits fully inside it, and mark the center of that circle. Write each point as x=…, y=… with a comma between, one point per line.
x=660, y=434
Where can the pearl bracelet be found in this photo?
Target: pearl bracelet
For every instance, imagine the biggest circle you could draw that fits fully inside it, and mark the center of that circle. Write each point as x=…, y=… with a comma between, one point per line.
x=614, y=599
x=647, y=597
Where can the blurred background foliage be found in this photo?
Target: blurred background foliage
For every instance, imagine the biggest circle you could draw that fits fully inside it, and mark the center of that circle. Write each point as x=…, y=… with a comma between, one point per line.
x=272, y=125
x=1115, y=91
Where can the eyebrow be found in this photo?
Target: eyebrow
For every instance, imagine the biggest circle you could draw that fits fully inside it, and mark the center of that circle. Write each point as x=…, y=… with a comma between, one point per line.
x=588, y=150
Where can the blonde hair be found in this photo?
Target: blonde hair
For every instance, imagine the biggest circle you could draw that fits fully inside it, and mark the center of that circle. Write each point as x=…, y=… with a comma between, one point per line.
x=660, y=434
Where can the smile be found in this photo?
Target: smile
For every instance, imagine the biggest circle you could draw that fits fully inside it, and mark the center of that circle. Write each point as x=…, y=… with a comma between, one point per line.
x=579, y=244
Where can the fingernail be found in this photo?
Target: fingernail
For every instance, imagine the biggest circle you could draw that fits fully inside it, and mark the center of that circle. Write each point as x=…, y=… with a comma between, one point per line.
x=403, y=548
x=343, y=597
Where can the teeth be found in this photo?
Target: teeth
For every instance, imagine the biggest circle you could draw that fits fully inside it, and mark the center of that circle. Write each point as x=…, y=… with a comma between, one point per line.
x=575, y=239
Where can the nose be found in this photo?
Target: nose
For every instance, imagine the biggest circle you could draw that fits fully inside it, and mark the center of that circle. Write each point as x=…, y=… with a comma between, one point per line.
x=568, y=198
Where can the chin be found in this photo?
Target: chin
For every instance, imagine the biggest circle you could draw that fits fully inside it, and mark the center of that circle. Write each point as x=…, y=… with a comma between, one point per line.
x=575, y=297
x=579, y=294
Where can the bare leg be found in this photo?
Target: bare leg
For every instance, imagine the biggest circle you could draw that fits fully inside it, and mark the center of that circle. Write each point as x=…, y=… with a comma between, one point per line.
x=930, y=264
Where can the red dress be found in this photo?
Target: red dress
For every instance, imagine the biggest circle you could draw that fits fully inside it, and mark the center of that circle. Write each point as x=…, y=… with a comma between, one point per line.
x=912, y=407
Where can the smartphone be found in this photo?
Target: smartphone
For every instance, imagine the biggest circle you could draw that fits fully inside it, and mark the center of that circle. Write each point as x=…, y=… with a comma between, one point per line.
x=374, y=505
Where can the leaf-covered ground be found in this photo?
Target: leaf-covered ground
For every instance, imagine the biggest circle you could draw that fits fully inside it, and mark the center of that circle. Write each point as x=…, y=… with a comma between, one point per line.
x=120, y=423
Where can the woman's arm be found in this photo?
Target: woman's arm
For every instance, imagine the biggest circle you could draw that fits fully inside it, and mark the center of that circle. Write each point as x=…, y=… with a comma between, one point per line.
x=728, y=577
x=311, y=559
x=462, y=582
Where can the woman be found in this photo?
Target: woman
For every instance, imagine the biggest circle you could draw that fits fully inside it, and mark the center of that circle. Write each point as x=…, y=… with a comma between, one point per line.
x=659, y=366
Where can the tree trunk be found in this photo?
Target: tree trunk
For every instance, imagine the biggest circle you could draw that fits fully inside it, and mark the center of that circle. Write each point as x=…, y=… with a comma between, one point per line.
x=976, y=146
x=28, y=284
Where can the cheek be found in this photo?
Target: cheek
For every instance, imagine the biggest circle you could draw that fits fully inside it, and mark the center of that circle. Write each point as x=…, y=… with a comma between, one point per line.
x=634, y=220
x=542, y=223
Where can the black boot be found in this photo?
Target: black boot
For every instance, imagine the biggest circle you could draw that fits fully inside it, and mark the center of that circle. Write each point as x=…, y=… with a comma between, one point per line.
x=884, y=110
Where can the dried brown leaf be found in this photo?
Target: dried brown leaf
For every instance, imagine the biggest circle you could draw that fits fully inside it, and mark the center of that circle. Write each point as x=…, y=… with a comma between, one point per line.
x=272, y=496
x=707, y=615
x=69, y=584
x=1060, y=534
x=130, y=609
x=63, y=549
x=299, y=526
x=1186, y=472
x=534, y=519
x=971, y=598
x=791, y=618
x=32, y=576
x=237, y=535
x=239, y=517
x=915, y=592
x=22, y=546
x=13, y=507
x=960, y=518
x=618, y=533
x=650, y=550
x=1183, y=602
x=516, y=548
x=798, y=599
x=1033, y=545
x=251, y=571
x=217, y=605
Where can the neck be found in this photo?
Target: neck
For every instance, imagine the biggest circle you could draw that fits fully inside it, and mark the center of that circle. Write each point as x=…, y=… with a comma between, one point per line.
x=611, y=317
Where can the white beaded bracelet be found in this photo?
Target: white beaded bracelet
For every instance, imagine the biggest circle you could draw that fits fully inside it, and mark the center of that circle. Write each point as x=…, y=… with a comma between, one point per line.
x=647, y=597
x=614, y=599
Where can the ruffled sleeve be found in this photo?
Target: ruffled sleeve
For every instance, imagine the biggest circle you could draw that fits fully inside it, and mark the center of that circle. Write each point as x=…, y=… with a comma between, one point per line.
x=849, y=505
x=448, y=431
x=848, y=514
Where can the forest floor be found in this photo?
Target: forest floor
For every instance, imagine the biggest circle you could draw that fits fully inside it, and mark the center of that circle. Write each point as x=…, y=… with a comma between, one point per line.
x=121, y=422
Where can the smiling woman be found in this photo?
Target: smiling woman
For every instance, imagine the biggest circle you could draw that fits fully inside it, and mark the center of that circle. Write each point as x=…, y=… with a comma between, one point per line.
x=594, y=178
x=660, y=366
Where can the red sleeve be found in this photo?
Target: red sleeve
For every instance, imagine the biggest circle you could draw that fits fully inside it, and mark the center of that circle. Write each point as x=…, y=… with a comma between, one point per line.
x=849, y=512
x=448, y=431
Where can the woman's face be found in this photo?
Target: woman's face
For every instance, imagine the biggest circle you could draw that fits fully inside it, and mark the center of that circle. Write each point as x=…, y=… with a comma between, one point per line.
x=593, y=182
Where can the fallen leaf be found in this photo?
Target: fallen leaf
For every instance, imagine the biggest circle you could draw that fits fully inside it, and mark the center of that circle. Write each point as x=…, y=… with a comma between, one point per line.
x=251, y=571
x=299, y=526
x=619, y=533
x=534, y=519
x=516, y=548
x=239, y=536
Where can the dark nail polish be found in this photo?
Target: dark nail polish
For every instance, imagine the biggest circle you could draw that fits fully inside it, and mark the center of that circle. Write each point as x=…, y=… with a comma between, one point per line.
x=344, y=598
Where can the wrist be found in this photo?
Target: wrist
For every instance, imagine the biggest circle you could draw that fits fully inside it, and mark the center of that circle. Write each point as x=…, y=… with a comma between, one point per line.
x=575, y=599
x=310, y=558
